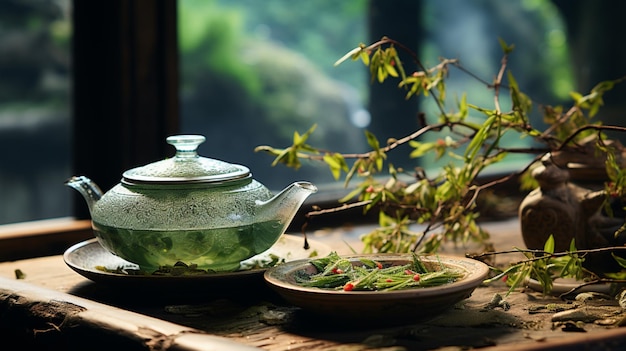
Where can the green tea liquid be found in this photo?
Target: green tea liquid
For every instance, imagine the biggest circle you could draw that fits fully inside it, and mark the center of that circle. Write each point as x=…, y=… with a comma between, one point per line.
x=219, y=249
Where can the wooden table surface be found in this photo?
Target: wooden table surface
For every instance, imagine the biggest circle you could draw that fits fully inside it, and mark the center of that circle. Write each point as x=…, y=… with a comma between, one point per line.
x=53, y=301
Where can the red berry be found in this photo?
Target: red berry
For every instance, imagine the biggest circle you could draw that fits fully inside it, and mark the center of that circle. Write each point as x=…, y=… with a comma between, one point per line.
x=416, y=277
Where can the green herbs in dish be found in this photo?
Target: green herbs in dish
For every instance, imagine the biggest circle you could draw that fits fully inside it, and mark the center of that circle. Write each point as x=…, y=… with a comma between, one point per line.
x=339, y=273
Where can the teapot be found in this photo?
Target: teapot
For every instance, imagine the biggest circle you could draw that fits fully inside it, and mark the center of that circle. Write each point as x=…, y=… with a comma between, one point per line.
x=190, y=209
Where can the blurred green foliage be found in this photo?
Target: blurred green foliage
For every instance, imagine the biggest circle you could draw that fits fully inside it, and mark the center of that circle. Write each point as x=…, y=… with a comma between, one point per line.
x=35, y=39
x=210, y=38
x=213, y=35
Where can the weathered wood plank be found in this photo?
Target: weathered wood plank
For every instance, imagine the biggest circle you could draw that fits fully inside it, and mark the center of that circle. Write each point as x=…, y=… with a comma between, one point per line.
x=40, y=318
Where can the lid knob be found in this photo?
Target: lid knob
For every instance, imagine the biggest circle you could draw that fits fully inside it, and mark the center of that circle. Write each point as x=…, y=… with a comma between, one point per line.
x=186, y=145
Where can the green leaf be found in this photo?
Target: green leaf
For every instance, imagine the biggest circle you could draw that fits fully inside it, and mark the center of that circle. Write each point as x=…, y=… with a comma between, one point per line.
x=337, y=163
x=577, y=97
x=377, y=198
x=372, y=141
x=549, y=245
x=419, y=148
x=463, y=110
x=595, y=107
x=416, y=86
x=507, y=49
x=441, y=87
x=620, y=260
x=568, y=268
x=521, y=102
x=443, y=192
x=351, y=54
x=284, y=157
x=297, y=138
x=391, y=70
x=354, y=193
x=375, y=62
x=365, y=57
x=331, y=160
x=410, y=81
x=479, y=139
x=617, y=275
x=572, y=245
x=605, y=86
x=519, y=277
x=544, y=278
x=379, y=163
x=381, y=74
x=384, y=220
x=353, y=170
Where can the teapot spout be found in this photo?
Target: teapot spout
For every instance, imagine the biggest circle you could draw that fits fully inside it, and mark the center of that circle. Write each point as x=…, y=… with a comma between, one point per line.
x=86, y=187
x=284, y=205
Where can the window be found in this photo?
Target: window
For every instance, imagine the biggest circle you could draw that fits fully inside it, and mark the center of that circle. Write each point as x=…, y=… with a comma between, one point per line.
x=35, y=124
x=111, y=106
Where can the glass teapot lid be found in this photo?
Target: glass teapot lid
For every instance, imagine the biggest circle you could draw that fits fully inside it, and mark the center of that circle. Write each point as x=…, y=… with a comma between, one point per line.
x=186, y=167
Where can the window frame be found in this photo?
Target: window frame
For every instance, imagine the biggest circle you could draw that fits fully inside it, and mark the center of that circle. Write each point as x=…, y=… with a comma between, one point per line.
x=125, y=86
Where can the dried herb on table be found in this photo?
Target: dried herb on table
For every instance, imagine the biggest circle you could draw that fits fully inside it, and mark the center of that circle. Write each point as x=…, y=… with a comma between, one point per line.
x=19, y=274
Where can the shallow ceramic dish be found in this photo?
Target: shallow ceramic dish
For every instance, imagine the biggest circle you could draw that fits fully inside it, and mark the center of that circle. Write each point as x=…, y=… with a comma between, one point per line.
x=562, y=286
x=85, y=257
x=413, y=304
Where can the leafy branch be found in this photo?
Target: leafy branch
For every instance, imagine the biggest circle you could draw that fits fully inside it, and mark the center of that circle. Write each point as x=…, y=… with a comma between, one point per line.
x=472, y=136
x=546, y=265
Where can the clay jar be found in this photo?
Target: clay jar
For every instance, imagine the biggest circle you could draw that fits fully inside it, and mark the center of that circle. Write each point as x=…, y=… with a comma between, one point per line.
x=560, y=208
x=568, y=212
